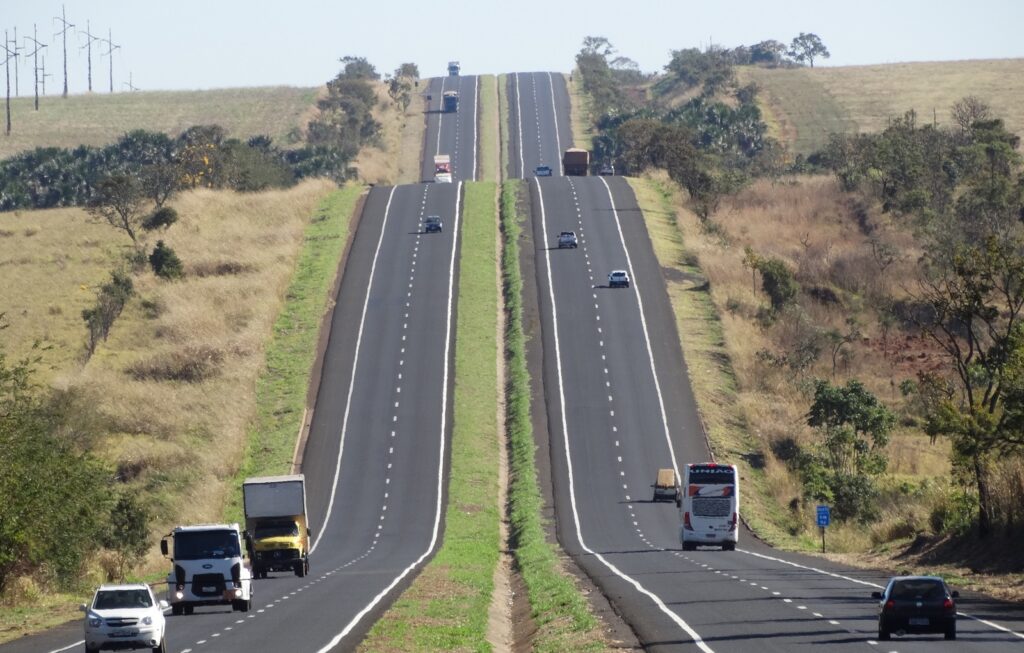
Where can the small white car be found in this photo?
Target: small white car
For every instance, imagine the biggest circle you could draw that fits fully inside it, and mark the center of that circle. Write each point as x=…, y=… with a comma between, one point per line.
x=618, y=279
x=567, y=239
x=443, y=178
x=125, y=617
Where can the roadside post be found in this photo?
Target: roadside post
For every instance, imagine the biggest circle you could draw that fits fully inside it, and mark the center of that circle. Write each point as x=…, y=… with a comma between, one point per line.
x=824, y=518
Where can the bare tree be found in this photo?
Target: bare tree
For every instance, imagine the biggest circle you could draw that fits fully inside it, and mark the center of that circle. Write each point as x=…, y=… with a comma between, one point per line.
x=969, y=110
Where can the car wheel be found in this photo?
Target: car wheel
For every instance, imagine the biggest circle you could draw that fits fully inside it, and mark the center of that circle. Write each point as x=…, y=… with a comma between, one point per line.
x=188, y=609
x=300, y=569
x=689, y=546
x=729, y=546
x=162, y=648
x=883, y=635
x=951, y=633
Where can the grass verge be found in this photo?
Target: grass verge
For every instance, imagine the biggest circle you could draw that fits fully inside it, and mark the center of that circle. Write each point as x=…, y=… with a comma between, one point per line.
x=489, y=129
x=711, y=374
x=446, y=607
x=580, y=116
x=559, y=610
x=282, y=387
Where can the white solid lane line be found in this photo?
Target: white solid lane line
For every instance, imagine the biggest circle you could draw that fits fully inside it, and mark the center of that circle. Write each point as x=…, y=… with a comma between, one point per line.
x=568, y=457
x=519, y=121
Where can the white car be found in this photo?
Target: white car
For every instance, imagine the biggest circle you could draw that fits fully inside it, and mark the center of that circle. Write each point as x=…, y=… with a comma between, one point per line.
x=125, y=617
x=618, y=279
x=443, y=178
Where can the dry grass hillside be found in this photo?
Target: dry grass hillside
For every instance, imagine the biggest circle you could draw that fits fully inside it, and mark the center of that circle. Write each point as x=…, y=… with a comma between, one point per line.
x=804, y=105
x=99, y=118
x=396, y=160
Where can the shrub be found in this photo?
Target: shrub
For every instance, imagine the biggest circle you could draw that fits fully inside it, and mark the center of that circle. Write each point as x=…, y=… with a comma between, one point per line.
x=110, y=302
x=193, y=364
x=777, y=282
x=165, y=262
x=160, y=219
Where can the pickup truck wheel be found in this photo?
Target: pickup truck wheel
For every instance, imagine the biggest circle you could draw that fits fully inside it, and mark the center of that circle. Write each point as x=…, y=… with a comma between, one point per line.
x=176, y=610
x=188, y=609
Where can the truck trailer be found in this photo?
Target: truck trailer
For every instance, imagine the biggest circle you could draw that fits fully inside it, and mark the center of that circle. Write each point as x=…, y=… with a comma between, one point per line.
x=576, y=162
x=208, y=568
x=275, y=519
x=450, y=101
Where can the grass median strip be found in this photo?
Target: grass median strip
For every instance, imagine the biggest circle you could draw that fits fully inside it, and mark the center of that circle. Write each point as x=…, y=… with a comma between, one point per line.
x=446, y=607
x=281, y=389
x=489, y=155
x=560, y=612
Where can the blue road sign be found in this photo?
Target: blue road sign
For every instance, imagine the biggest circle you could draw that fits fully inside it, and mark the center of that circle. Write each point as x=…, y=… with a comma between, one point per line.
x=824, y=516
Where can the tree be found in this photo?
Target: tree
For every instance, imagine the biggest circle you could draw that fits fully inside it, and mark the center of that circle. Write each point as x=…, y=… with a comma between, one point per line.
x=768, y=52
x=408, y=70
x=165, y=262
x=778, y=282
x=358, y=68
x=597, y=45
x=160, y=181
x=969, y=110
x=807, y=47
x=128, y=535
x=118, y=200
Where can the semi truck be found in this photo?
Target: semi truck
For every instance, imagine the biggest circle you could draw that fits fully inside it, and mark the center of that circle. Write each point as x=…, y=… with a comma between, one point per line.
x=576, y=162
x=208, y=567
x=442, y=169
x=275, y=520
x=453, y=68
x=450, y=101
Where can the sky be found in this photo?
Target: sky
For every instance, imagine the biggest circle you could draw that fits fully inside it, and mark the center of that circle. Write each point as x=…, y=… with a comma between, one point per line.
x=202, y=44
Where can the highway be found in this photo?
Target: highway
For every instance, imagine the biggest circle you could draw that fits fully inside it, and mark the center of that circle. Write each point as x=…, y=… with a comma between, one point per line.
x=376, y=458
x=618, y=407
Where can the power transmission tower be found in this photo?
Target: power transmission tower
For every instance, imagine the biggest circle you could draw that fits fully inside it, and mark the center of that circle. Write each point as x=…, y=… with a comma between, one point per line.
x=131, y=87
x=9, y=54
x=15, y=48
x=43, y=75
x=89, y=38
x=35, y=59
x=110, y=53
x=65, y=26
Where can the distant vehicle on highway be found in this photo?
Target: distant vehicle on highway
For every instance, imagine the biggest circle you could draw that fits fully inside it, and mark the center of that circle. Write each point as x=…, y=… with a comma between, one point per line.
x=576, y=162
x=916, y=604
x=450, y=101
x=618, y=279
x=207, y=567
x=666, y=487
x=606, y=169
x=442, y=178
x=567, y=239
x=125, y=616
x=542, y=171
x=711, y=505
x=453, y=68
x=433, y=224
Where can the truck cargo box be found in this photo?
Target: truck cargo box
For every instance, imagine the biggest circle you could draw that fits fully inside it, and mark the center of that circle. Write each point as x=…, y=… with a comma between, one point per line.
x=576, y=162
x=274, y=496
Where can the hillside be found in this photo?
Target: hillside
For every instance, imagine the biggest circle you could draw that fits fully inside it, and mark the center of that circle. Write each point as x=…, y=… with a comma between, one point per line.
x=804, y=105
x=99, y=119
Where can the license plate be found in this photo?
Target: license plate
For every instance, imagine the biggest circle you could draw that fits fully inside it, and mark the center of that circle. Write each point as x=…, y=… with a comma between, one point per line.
x=211, y=588
x=918, y=621
x=124, y=633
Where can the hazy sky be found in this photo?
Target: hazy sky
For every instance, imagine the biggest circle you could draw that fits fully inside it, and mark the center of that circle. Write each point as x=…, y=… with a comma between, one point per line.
x=195, y=44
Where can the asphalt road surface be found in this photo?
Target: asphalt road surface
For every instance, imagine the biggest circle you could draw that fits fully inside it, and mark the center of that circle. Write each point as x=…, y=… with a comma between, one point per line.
x=539, y=127
x=453, y=133
x=376, y=458
x=618, y=407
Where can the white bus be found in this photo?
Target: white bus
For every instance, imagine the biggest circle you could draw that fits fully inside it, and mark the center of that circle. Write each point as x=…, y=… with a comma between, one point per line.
x=711, y=506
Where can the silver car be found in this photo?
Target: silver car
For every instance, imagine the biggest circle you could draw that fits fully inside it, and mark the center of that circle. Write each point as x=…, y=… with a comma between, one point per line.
x=125, y=617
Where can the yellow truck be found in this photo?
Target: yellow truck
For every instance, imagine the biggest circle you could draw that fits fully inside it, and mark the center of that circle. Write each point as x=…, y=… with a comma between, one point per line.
x=275, y=520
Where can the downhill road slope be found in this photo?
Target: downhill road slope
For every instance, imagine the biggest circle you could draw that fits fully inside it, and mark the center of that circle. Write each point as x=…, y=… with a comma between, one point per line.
x=618, y=406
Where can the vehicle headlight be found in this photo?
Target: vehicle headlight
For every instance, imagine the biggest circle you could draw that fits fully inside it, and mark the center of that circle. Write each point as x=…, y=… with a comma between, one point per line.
x=179, y=595
x=148, y=621
x=95, y=621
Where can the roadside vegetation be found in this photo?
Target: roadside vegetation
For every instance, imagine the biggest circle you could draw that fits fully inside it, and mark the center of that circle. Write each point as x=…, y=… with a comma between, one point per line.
x=860, y=345
x=446, y=607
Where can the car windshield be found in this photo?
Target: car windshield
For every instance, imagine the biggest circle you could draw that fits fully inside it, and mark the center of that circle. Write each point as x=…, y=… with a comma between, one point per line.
x=197, y=545
x=119, y=599
x=918, y=589
x=283, y=529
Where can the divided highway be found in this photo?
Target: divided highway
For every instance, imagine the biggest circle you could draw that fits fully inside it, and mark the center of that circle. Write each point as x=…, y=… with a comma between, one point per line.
x=618, y=407
x=376, y=458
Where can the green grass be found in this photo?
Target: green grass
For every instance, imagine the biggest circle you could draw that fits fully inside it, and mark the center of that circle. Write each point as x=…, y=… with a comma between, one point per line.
x=101, y=118
x=559, y=611
x=446, y=607
x=281, y=389
x=503, y=125
x=711, y=375
x=580, y=115
x=489, y=129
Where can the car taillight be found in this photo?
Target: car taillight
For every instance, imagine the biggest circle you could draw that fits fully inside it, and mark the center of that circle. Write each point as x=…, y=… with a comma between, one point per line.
x=686, y=521
x=948, y=605
x=890, y=605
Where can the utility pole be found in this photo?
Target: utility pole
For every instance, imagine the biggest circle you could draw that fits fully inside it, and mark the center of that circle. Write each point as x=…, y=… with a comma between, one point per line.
x=89, y=38
x=110, y=53
x=131, y=87
x=10, y=54
x=35, y=60
x=15, y=47
x=65, y=26
x=43, y=75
